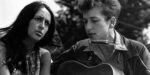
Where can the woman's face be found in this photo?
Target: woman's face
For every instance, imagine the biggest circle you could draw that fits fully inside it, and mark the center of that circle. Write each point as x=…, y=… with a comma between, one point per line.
x=39, y=24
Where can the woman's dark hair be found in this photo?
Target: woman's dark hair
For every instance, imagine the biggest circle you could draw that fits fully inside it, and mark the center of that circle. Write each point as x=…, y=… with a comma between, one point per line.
x=13, y=40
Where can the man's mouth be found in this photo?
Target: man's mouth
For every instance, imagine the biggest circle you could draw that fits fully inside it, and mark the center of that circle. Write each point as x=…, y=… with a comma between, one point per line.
x=91, y=33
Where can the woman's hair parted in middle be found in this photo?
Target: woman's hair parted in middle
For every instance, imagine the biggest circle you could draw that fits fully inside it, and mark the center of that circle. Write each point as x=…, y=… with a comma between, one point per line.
x=21, y=24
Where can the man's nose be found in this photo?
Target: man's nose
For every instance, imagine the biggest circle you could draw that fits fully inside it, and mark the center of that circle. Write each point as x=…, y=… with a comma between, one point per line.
x=88, y=26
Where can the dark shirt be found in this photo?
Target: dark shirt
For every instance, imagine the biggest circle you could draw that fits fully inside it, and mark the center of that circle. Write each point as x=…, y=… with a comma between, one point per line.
x=129, y=57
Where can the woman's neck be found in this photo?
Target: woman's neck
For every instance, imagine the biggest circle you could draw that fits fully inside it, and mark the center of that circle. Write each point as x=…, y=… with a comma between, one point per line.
x=29, y=44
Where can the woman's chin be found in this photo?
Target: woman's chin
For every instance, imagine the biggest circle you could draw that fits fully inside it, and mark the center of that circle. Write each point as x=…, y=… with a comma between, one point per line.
x=36, y=39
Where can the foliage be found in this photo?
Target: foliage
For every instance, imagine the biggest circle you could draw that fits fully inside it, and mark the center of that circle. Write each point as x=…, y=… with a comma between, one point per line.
x=134, y=16
x=69, y=24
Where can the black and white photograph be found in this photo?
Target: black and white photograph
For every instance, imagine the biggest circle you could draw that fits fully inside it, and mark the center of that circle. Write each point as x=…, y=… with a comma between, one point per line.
x=75, y=37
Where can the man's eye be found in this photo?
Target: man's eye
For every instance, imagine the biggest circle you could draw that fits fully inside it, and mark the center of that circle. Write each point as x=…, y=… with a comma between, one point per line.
x=84, y=21
x=94, y=21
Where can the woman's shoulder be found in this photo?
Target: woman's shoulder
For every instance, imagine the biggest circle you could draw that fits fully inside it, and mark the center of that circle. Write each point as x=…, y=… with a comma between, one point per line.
x=43, y=51
x=45, y=55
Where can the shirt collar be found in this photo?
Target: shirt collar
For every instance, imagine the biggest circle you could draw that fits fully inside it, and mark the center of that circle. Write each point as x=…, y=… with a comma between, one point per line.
x=119, y=44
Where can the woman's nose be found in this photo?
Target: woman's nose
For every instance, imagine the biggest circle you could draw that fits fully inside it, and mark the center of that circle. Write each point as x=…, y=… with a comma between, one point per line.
x=42, y=25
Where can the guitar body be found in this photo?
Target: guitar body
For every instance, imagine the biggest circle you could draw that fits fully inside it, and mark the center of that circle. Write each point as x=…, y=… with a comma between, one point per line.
x=77, y=68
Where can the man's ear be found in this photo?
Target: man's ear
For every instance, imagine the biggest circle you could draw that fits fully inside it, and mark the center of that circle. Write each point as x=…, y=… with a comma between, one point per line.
x=113, y=22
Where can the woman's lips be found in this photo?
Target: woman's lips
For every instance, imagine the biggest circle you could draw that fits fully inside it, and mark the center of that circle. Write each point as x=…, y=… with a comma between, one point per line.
x=39, y=33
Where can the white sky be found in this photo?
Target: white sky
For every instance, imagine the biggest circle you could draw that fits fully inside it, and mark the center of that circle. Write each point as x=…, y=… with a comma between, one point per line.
x=9, y=10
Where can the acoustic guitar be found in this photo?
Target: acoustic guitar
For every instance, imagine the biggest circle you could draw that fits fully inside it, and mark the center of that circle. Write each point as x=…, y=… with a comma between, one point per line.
x=77, y=68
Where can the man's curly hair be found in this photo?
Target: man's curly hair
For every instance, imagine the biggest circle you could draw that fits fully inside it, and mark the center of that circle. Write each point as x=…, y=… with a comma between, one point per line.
x=108, y=7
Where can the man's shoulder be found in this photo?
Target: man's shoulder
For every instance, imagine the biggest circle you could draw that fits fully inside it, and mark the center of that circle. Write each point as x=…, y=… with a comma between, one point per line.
x=82, y=43
x=134, y=47
x=134, y=43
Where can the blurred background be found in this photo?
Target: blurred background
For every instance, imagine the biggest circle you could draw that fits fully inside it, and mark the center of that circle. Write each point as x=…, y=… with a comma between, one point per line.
x=133, y=22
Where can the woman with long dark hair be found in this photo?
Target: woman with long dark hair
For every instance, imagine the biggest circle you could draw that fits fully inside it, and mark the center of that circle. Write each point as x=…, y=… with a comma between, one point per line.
x=21, y=51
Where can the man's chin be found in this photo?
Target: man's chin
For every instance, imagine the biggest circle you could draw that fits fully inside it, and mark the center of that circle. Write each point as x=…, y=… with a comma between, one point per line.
x=95, y=38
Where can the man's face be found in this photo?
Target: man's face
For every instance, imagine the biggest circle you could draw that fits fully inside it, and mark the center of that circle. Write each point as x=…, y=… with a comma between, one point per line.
x=97, y=27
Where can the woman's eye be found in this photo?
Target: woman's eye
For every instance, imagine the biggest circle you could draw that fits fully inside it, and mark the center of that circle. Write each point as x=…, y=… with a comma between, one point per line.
x=47, y=23
x=38, y=18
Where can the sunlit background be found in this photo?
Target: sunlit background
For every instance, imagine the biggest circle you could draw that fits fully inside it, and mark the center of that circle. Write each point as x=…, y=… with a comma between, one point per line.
x=9, y=9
